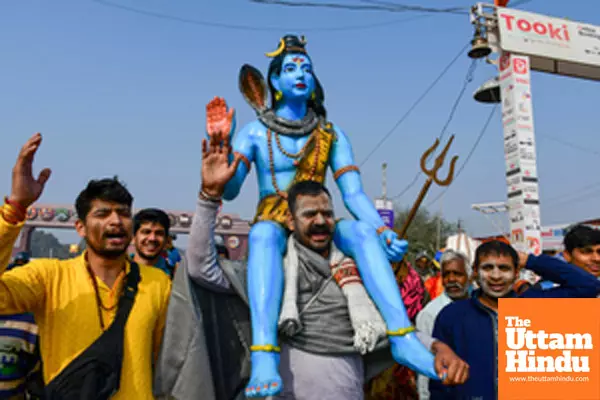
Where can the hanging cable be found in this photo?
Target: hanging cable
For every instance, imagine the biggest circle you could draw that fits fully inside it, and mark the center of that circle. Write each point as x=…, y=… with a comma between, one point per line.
x=416, y=103
x=375, y=5
x=569, y=144
x=372, y=6
x=500, y=229
x=468, y=79
x=591, y=195
x=475, y=145
x=572, y=195
x=256, y=28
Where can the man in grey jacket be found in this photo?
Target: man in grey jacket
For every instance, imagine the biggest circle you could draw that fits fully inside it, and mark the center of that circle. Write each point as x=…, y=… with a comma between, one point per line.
x=318, y=361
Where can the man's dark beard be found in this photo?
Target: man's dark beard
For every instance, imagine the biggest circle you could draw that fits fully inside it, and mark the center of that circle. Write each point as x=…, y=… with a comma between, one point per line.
x=147, y=257
x=109, y=254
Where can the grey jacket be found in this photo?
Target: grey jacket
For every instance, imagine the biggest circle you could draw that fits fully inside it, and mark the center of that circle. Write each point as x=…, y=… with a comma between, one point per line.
x=197, y=319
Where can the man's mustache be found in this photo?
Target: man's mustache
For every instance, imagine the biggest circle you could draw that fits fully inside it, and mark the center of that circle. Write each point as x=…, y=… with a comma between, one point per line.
x=319, y=229
x=453, y=285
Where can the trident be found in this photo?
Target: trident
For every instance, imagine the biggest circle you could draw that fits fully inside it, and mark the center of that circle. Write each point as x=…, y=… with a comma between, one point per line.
x=432, y=177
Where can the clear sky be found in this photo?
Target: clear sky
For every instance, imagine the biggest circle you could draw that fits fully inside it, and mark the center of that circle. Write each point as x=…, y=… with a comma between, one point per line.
x=116, y=92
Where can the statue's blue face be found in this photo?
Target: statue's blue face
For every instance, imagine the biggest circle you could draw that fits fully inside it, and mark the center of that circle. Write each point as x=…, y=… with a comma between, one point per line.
x=296, y=80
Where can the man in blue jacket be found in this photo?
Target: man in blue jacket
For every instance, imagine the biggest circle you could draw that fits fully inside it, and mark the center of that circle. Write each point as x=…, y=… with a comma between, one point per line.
x=470, y=327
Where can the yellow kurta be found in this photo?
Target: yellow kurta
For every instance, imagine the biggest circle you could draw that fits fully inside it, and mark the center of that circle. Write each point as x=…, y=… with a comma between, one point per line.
x=61, y=296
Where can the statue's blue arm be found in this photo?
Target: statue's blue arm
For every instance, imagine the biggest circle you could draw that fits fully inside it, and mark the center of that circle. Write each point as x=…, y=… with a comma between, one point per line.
x=350, y=184
x=242, y=143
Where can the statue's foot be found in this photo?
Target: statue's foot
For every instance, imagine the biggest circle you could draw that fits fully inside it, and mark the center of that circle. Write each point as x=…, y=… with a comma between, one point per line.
x=265, y=379
x=409, y=351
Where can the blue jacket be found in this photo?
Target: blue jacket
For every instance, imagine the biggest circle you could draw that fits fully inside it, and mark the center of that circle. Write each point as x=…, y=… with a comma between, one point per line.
x=471, y=329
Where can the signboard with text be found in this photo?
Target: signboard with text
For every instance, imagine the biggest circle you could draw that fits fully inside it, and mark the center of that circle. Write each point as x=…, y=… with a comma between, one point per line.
x=520, y=154
x=555, y=45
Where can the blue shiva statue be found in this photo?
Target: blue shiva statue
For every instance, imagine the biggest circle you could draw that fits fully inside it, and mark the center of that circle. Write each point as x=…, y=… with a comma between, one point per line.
x=290, y=141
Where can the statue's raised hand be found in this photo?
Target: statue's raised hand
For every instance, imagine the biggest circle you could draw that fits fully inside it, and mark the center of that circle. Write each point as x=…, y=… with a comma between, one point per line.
x=216, y=168
x=219, y=121
x=25, y=188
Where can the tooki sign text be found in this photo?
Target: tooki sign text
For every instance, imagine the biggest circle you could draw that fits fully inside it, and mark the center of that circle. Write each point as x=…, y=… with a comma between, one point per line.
x=530, y=25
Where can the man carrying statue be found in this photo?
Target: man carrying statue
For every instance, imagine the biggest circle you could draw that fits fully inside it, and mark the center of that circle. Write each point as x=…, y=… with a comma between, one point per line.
x=292, y=141
x=205, y=351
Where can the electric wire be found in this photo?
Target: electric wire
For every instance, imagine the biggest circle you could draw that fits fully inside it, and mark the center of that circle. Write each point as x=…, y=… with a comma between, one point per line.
x=471, y=152
x=501, y=231
x=569, y=144
x=415, y=104
x=592, y=195
x=572, y=195
x=371, y=6
x=375, y=5
x=221, y=25
x=468, y=79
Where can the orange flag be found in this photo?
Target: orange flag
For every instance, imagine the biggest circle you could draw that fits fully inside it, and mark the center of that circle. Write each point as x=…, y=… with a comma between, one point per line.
x=501, y=3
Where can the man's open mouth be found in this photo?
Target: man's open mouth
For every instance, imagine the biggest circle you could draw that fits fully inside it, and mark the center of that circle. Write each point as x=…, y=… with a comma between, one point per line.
x=497, y=288
x=116, y=237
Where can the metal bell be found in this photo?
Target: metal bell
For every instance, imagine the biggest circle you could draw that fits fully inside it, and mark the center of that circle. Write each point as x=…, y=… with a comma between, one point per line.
x=479, y=47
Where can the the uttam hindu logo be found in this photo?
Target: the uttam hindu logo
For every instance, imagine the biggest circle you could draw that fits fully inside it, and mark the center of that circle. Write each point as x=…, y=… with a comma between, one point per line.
x=541, y=28
x=524, y=344
x=548, y=349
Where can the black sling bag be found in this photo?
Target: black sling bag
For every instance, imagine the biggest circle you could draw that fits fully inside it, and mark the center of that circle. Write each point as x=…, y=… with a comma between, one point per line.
x=96, y=373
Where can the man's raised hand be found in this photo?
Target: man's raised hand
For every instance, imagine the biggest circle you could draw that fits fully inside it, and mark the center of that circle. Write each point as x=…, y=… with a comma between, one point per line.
x=25, y=188
x=216, y=169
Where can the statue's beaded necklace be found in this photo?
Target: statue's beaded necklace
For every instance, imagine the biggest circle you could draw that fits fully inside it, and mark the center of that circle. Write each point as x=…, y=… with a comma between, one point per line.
x=294, y=155
x=313, y=137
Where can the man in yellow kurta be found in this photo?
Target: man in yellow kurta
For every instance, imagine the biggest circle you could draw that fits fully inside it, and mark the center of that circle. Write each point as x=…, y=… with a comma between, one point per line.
x=75, y=300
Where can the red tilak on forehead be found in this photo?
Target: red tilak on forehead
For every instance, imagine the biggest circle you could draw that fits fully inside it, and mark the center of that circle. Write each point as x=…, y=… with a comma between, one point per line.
x=298, y=60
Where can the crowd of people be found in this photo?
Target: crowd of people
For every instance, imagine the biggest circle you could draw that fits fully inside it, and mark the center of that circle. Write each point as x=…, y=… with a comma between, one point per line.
x=186, y=331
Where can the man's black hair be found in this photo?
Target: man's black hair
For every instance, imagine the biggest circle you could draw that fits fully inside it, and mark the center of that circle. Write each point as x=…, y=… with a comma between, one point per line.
x=108, y=189
x=152, y=215
x=304, y=188
x=496, y=248
x=581, y=236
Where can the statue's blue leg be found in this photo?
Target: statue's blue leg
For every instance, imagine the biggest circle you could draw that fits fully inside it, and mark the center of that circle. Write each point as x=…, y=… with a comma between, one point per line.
x=266, y=246
x=361, y=242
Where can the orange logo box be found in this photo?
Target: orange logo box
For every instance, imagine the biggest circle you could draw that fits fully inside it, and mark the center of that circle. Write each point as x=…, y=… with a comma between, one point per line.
x=549, y=349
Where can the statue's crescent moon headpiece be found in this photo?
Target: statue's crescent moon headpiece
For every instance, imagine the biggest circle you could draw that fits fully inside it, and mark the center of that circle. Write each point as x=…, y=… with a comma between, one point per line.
x=289, y=44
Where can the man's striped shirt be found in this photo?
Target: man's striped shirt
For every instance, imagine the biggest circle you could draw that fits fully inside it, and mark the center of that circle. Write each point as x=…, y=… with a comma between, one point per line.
x=18, y=340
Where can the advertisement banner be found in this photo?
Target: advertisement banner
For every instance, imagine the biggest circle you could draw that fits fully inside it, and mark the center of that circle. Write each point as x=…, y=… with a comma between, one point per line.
x=553, y=38
x=553, y=237
x=520, y=155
